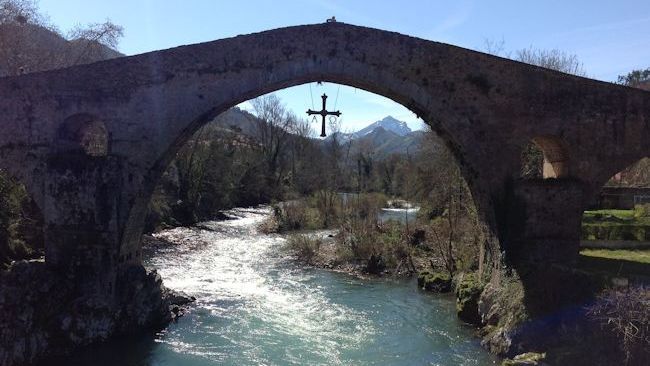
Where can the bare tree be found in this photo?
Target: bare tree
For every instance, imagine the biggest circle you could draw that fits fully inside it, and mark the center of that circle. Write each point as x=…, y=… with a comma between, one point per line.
x=30, y=43
x=497, y=48
x=20, y=11
x=624, y=313
x=273, y=127
x=532, y=162
x=552, y=59
x=93, y=38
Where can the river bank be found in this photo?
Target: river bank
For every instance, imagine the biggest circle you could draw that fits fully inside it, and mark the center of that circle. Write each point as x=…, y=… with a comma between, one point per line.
x=507, y=311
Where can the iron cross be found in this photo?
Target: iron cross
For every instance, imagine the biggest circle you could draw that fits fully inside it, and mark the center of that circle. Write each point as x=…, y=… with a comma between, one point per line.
x=324, y=113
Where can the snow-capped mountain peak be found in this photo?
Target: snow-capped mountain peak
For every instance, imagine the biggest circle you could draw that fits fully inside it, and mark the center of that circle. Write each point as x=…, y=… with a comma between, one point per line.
x=389, y=123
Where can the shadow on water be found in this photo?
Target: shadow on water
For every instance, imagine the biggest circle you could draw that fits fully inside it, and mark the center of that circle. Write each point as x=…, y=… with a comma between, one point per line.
x=127, y=351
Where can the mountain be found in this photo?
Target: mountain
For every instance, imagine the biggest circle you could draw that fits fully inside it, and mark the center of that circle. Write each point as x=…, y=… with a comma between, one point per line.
x=383, y=143
x=382, y=138
x=389, y=124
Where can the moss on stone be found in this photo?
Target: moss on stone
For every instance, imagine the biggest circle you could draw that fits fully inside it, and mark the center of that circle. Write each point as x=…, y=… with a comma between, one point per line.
x=434, y=281
x=530, y=358
x=468, y=293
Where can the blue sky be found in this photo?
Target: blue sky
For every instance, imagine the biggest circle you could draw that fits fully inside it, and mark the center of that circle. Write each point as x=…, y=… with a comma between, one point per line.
x=609, y=37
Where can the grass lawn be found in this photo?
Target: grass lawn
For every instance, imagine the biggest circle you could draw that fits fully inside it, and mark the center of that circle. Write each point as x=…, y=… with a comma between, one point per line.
x=641, y=256
x=616, y=262
x=637, y=216
x=605, y=214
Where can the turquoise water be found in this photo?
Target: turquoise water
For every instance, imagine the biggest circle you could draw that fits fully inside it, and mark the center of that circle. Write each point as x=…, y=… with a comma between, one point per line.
x=398, y=214
x=255, y=307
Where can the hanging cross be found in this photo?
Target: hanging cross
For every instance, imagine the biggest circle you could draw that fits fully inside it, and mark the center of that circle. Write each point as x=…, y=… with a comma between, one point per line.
x=324, y=113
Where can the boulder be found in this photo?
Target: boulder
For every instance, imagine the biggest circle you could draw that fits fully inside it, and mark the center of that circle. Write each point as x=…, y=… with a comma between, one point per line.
x=375, y=265
x=487, y=305
x=178, y=297
x=434, y=281
x=52, y=315
x=526, y=359
x=468, y=293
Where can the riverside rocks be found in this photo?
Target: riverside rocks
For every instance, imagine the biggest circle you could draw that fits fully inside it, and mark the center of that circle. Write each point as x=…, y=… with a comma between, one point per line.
x=524, y=359
x=375, y=265
x=468, y=293
x=434, y=281
x=41, y=313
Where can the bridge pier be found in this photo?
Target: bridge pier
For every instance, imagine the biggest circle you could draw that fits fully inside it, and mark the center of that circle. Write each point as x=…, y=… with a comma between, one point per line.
x=539, y=291
x=84, y=292
x=81, y=214
x=543, y=220
x=541, y=240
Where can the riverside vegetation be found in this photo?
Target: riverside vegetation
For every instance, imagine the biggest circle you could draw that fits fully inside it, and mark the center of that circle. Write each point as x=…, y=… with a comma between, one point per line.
x=617, y=224
x=442, y=248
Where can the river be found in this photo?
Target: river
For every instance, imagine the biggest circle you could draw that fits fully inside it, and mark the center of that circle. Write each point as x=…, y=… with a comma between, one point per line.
x=256, y=307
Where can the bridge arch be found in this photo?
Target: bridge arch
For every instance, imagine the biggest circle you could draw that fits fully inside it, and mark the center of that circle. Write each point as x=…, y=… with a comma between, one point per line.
x=288, y=74
x=546, y=157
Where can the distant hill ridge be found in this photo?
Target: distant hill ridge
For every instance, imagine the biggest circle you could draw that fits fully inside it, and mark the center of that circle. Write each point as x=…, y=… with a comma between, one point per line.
x=26, y=48
x=381, y=139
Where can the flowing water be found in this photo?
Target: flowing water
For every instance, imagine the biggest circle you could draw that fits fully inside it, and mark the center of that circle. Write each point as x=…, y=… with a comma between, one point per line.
x=256, y=307
x=403, y=215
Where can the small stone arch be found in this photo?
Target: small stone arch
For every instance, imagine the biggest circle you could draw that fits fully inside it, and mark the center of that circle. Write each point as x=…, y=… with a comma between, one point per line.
x=545, y=157
x=83, y=133
x=626, y=188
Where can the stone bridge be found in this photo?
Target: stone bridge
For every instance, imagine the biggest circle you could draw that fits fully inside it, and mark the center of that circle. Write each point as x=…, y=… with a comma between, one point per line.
x=90, y=142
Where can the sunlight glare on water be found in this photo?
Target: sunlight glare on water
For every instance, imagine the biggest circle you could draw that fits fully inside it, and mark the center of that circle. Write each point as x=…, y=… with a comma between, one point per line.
x=256, y=307
x=238, y=276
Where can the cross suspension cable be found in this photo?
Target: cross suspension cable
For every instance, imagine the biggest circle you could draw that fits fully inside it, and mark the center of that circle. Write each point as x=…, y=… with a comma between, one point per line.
x=312, y=96
x=336, y=101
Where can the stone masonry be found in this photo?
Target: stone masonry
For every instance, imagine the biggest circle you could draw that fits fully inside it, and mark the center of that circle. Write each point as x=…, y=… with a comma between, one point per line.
x=90, y=142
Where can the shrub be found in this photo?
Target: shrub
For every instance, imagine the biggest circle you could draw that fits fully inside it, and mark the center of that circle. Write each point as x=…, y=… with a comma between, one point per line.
x=624, y=312
x=304, y=247
x=21, y=224
x=642, y=211
x=290, y=215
